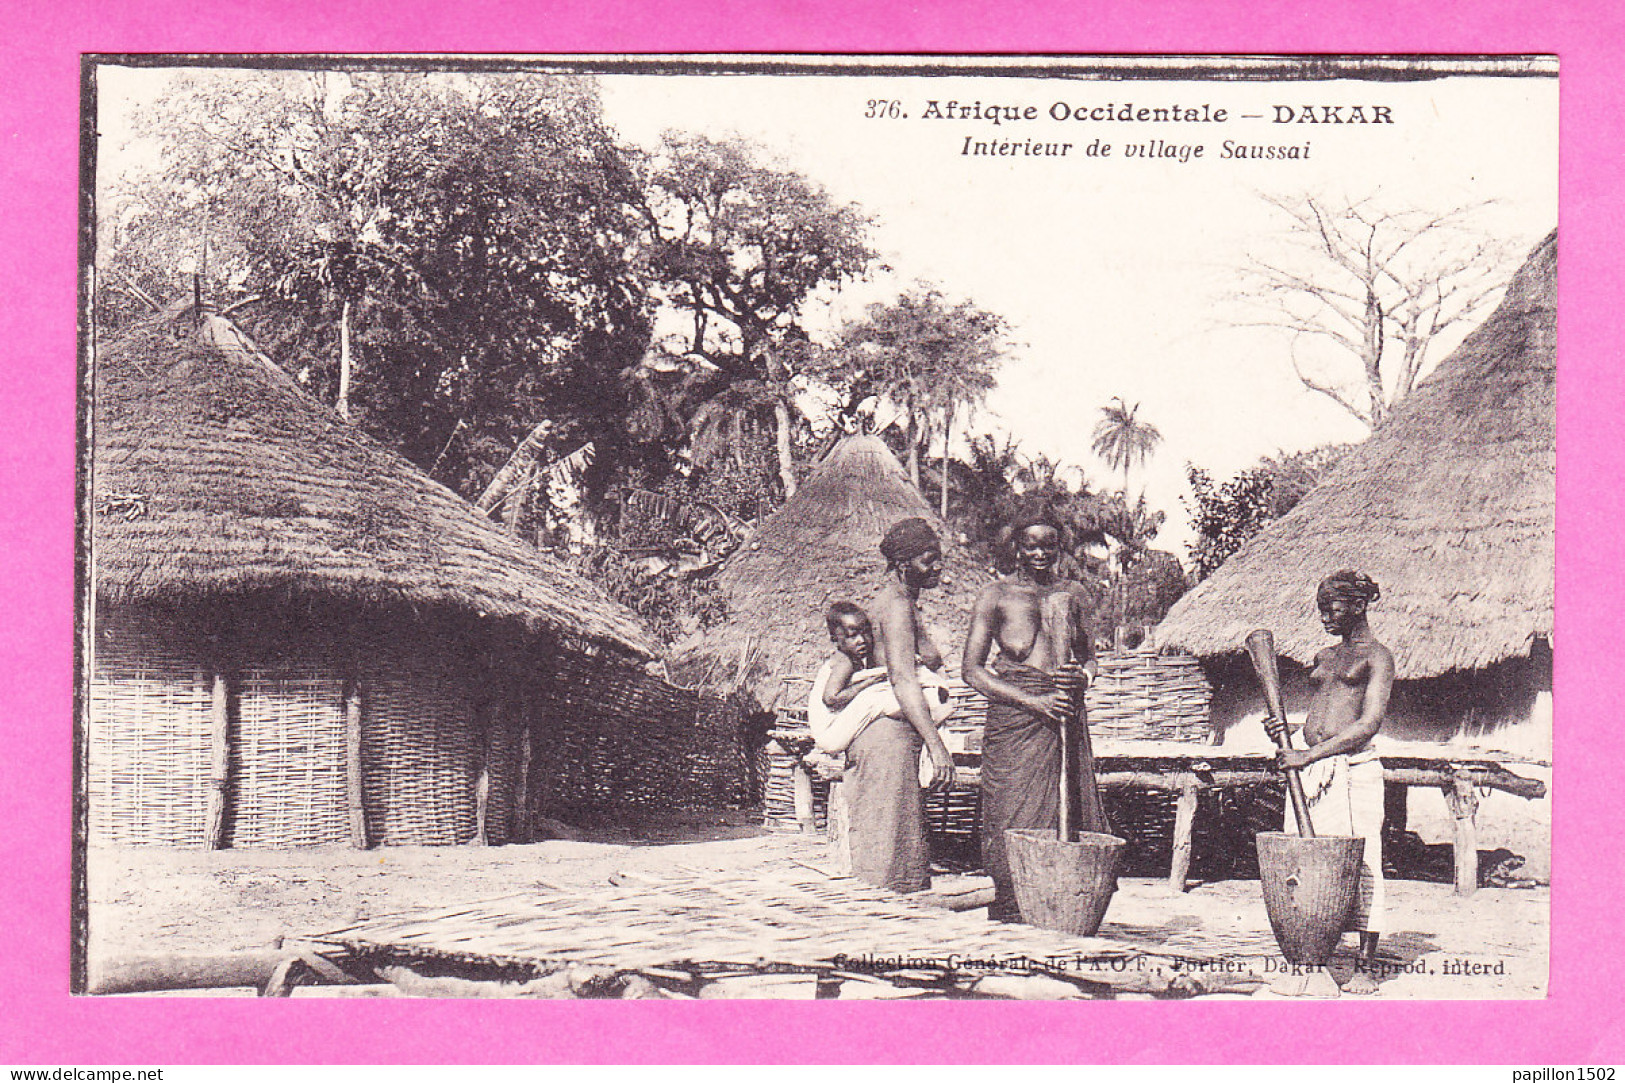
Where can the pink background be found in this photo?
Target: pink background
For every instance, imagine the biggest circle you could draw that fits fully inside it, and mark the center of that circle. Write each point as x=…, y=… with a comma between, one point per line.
x=1580, y=1023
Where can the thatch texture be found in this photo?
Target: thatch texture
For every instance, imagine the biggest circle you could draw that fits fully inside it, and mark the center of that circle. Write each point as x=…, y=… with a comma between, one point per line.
x=821, y=547
x=216, y=474
x=1449, y=506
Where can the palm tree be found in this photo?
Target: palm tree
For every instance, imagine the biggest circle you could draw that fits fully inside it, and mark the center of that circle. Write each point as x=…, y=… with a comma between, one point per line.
x=1123, y=440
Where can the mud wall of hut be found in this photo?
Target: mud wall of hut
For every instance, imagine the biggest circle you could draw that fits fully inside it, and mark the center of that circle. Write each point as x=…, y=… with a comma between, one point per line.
x=1505, y=708
x=272, y=725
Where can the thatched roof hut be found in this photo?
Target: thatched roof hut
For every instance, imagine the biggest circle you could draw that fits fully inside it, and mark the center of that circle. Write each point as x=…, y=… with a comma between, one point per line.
x=822, y=546
x=215, y=473
x=299, y=638
x=1449, y=506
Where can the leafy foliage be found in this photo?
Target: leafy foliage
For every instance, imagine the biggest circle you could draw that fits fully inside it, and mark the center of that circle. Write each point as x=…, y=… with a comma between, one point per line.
x=672, y=606
x=475, y=232
x=927, y=356
x=1225, y=516
x=739, y=246
x=1292, y=476
x=1144, y=591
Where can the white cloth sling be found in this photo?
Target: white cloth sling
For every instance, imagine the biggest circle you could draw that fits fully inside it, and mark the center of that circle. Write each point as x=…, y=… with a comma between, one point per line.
x=834, y=731
x=1346, y=798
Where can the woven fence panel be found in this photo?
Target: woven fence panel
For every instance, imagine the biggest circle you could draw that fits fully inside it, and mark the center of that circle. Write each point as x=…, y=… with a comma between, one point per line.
x=503, y=758
x=148, y=735
x=1143, y=695
x=287, y=759
x=420, y=753
x=612, y=737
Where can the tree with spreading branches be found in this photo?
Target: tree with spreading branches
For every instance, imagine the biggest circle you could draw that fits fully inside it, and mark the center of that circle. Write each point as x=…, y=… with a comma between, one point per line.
x=740, y=246
x=1362, y=291
x=446, y=258
x=928, y=357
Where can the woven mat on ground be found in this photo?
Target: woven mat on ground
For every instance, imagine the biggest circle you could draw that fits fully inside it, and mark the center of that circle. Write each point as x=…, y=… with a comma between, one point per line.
x=793, y=918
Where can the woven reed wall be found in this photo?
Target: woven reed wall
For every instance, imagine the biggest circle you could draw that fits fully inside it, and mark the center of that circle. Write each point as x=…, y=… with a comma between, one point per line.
x=436, y=709
x=1145, y=696
x=148, y=735
x=287, y=758
x=504, y=755
x=610, y=738
x=421, y=745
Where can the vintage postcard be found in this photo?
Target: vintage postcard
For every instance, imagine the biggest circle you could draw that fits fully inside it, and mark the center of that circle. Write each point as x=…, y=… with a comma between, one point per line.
x=801, y=527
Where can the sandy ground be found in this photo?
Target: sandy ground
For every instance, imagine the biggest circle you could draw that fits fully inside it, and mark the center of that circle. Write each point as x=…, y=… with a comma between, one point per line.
x=1492, y=944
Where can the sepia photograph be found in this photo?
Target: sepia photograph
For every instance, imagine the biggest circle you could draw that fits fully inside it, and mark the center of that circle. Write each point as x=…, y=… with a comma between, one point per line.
x=879, y=527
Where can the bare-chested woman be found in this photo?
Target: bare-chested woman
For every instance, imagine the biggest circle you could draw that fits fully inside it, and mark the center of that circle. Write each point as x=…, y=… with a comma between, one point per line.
x=1342, y=774
x=887, y=834
x=1037, y=622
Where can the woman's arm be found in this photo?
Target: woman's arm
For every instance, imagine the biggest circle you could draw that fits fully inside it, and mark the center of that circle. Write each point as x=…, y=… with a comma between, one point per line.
x=898, y=650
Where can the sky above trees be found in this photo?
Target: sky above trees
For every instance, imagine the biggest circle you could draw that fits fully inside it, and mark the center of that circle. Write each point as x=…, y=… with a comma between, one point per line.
x=1113, y=275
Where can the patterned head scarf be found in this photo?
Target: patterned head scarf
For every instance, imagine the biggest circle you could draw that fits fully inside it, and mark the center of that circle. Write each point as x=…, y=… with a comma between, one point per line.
x=907, y=540
x=1355, y=588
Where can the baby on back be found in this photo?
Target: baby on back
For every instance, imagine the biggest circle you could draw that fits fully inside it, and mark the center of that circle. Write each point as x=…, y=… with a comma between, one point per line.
x=851, y=691
x=852, y=668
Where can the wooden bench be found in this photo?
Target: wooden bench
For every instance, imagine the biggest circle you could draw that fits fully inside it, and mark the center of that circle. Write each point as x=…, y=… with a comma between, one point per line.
x=1188, y=770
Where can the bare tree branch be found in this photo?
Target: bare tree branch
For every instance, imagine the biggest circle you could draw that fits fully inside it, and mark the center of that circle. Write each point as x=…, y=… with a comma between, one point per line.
x=1325, y=389
x=1375, y=283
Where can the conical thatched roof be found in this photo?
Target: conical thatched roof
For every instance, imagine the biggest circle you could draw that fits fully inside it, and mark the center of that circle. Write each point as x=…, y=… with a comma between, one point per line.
x=821, y=547
x=1449, y=505
x=215, y=473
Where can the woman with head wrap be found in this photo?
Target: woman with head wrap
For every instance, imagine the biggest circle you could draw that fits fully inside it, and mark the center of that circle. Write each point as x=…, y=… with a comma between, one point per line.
x=887, y=834
x=1342, y=774
x=1036, y=620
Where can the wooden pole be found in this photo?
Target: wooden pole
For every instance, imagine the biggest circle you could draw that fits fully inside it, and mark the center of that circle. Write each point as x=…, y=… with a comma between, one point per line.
x=1179, y=866
x=1462, y=798
x=521, y=797
x=354, y=791
x=344, y=362
x=483, y=713
x=839, y=829
x=162, y=973
x=219, y=762
x=1395, y=813
x=1071, y=797
x=801, y=780
x=1261, y=650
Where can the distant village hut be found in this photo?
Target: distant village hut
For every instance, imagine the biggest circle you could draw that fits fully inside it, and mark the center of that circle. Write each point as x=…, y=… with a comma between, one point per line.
x=1450, y=506
x=298, y=638
x=822, y=546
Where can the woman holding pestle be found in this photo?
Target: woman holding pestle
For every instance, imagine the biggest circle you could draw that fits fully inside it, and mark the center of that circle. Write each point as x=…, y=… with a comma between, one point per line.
x=1341, y=772
x=1037, y=621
